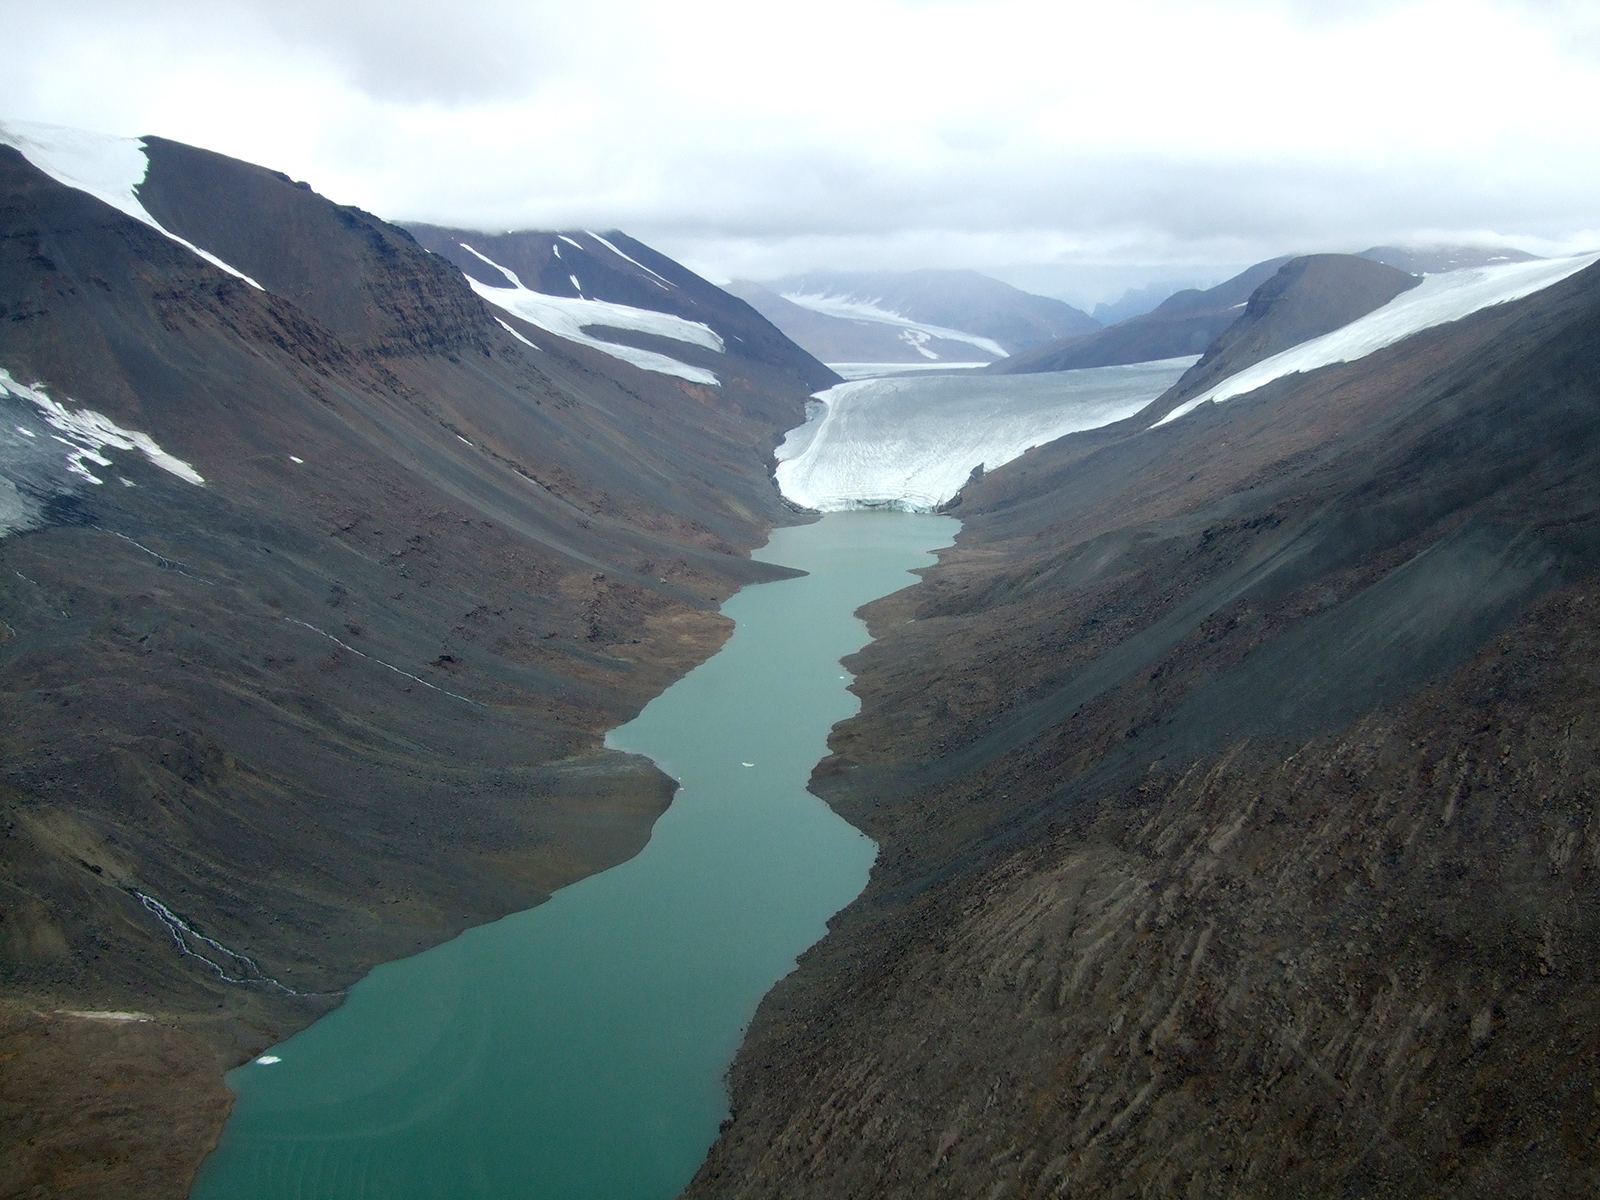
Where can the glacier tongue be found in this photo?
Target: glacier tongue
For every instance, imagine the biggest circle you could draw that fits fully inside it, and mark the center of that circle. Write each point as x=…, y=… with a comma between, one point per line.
x=910, y=442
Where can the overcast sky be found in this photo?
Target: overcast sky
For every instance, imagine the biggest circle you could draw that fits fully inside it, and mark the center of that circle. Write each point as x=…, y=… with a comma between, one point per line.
x=1114, y=142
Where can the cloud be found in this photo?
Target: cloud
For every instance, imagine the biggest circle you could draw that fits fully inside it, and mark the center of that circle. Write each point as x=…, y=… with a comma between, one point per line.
x=872, y=132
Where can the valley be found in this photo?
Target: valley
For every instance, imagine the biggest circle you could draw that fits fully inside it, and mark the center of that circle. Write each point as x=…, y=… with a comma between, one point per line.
x=421, y=691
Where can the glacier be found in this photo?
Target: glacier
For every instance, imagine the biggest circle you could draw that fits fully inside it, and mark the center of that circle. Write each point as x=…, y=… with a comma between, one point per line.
x=570, y=318
x=910, y=442
x=1437, y=300
x=109, y=168
x=857, y=310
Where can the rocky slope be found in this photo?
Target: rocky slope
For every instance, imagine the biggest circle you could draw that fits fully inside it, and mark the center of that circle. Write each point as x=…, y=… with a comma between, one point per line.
x=337, y=692
x=1235, y=787
x=1185, y=323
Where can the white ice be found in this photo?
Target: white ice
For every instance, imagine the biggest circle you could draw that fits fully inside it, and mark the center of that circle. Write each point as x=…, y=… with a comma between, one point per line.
x=85, y=434
x=911, y=441
x=857, y=310
x=266, y=1060
x=850, y=371
x=515, y=334
x=108, y=168
x=1438, y=299
x=569, y=318
x=661, y=281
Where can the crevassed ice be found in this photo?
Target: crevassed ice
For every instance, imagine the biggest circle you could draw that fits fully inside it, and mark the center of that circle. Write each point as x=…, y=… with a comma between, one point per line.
x=86, y=433
x=1438, y=299
x=569, y=318
x=911, y=441
x=858, y=310
x=108, y=168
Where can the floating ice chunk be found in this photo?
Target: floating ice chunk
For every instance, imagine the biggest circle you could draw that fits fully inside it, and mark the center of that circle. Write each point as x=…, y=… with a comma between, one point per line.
x=266, y=1060
x=662, y=281
x=1437, y=300
x=848, y=309
x=911, y=441
x=569, y=317
x=85, y=433
x=108, y=168
x=745, y=764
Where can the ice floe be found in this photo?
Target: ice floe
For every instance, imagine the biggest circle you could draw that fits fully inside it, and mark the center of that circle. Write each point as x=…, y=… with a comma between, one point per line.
x=848, y=309
x=571, y=318
x=911, y=441
x=1437, y=300
x=109, y=168
x=86, y=434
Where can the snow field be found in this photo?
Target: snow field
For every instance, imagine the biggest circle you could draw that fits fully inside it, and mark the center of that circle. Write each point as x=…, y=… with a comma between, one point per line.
x=86, y=433
x=109, y=168
x=910, y=442
x=856, y=310
x=569, y=318
x=1437, y=300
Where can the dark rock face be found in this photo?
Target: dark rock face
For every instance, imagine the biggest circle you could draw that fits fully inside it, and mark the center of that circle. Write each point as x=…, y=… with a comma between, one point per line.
x=1186, y=322
x=346, y=698
x=1234, y=782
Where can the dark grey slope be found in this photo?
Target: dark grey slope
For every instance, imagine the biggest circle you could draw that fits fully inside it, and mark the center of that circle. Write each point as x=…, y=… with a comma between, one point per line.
x=549, y=262
x=1187, y=322
x=964, y=300
x=1187, y=886
x=366, y=281
x=1433, y=260
x=1307, y=298
x=347, y=697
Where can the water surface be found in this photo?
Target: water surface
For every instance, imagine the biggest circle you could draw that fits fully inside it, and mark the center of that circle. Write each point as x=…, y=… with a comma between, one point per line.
x=577, y=1050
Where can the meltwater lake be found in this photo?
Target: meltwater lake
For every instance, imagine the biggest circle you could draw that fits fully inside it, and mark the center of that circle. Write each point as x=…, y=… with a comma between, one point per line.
x=577, y=1050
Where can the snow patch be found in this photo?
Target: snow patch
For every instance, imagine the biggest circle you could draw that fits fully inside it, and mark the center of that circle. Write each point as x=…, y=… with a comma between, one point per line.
x=570, y=242
x=1437, y=300
x=86, y=433
x=109, y=168
x=662, y=281
x=506, y=271
x=848, y=309
x=569, y=318
x=515, y=334
x=911, y=441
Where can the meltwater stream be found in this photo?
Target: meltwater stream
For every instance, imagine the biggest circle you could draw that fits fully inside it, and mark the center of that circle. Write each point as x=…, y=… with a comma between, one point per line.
x=577, y=1050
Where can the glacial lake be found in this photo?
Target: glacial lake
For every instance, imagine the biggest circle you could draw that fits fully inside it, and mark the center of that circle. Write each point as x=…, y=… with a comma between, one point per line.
x=577, y=1050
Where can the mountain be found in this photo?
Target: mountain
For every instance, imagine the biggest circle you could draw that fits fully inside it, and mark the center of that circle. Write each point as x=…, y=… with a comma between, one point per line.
x=911, y=316
x=1134, y=302
x=1306, y=298
x=613, y=268
x=322, y=580
x=1184, y=323
x=1233, y=780
x=1433, y=260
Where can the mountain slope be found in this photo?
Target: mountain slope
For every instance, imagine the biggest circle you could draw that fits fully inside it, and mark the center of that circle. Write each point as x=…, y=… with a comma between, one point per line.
x=1306, y=298
x=335, y=689
x=1184, y=323
x=1232, y=780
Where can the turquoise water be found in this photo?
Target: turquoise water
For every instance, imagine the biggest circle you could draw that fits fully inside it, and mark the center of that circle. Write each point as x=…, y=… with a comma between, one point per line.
x=577, y=1050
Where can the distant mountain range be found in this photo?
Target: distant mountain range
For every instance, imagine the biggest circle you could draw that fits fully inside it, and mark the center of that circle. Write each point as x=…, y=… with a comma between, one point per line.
x=911, y=316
